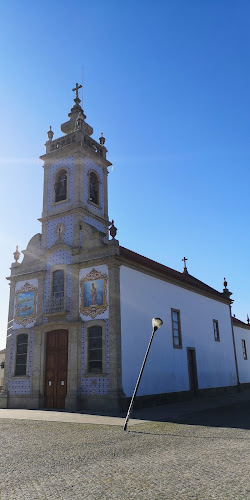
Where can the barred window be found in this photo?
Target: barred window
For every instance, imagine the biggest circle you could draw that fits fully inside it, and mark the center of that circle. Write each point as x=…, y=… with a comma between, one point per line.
x=176, y=328
x=216, y=330
x=94, y=188
x=95, y=364
x=21, y=354
x=244, y=349
x=61, y=186
x=58, y=284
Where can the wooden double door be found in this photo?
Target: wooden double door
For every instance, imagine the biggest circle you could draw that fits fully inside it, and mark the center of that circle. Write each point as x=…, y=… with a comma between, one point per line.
x=56, y=369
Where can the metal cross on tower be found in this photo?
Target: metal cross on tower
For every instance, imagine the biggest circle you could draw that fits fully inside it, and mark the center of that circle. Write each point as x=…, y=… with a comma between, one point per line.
x=76, y=90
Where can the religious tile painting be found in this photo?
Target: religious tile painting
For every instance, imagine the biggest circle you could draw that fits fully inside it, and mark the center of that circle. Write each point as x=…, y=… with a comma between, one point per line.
x=25, y=304
x=93, y=293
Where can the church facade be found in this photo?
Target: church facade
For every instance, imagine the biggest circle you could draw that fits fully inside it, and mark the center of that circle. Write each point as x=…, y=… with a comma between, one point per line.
x=81, y=305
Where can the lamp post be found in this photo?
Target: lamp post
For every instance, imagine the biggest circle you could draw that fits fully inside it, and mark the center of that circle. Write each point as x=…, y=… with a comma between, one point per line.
x=156, y=323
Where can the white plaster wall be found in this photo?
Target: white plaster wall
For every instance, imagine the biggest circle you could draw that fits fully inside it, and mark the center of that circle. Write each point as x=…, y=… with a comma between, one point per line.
x=243, y=364
x=144, y=297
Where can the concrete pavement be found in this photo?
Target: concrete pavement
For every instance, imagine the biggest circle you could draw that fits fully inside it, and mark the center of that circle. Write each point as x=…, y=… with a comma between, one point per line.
x=194, y=450
x=165, y=413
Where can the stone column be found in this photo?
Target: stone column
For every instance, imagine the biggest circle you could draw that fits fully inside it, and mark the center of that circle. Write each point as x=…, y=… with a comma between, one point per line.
x=4, y=393
x=36, y=369
x=41, y=278
x=72, y=379
x=75, y=292
x=45, y=205
x=114, y=335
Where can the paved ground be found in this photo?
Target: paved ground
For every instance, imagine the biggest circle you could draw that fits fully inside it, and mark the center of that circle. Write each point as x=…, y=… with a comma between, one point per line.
x=203, y=452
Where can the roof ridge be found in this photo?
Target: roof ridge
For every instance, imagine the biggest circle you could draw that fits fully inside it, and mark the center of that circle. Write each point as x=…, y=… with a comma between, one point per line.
x=186, y=278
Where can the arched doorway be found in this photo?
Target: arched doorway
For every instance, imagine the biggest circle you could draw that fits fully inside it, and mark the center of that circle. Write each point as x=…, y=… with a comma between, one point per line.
x=56, y=369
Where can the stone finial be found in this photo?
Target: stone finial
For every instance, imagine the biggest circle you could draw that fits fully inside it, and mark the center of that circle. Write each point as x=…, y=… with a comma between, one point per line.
x=79, y=121
x=102, y=139
x=50, y=133
x=248, y=320
x=16, y=254
x=113, y=230
x=225, y=290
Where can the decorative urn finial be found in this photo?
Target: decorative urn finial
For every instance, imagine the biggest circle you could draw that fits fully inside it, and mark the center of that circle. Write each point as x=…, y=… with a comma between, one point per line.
x=16, y=254
x=113, y=230
x=225, y=290
x=102, y=139
x=50, y=133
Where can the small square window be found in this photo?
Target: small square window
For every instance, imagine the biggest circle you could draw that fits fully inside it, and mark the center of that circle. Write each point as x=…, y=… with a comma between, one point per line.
x=216, y=330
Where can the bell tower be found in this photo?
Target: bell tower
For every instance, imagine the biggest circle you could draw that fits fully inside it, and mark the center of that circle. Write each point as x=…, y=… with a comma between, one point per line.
x=75, y=200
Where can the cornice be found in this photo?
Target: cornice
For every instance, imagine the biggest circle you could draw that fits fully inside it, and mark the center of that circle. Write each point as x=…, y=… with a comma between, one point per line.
x=240, y=324
x=76, y=210
x=29, y=274
x=56, y=325
x=163, y=275
x=74, y=148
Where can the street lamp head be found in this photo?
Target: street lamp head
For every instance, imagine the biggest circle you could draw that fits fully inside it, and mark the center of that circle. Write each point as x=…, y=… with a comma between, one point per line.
x=156, y=323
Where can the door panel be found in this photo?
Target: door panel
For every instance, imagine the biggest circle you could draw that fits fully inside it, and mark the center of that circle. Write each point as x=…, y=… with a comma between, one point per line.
x=192, y=370
x=56, y=369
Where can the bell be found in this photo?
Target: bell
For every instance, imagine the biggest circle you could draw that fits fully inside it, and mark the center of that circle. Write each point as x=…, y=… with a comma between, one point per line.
x=60, y=189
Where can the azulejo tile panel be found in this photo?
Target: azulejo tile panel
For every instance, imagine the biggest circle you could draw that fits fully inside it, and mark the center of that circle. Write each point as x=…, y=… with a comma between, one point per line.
x=94, y=385
x=20, y=385
x=67, y=223
x=25, y=305
x=68, y=163
x=94, y=293
x=93, y=222
x=90, y=165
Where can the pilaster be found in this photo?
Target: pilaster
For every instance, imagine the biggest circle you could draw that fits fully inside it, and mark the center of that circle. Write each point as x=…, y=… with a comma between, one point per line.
x=115, y=331
x=73, y=369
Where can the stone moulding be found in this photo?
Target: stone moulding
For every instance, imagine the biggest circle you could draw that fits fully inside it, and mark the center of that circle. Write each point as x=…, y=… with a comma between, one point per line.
x=26, y=303
x=93, y=294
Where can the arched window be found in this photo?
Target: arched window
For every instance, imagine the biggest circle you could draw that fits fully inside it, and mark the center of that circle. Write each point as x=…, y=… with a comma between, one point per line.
x=94, y=188
x=21, y=354
x=95, y=349
x=61, y=186
x=58, y=284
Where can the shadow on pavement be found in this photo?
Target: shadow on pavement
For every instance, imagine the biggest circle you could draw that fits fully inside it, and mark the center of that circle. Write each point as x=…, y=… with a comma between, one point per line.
x=232, y=411
x=231, y=416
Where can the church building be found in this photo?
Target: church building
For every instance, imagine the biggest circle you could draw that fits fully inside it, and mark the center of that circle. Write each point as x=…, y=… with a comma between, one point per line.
x=81, y=305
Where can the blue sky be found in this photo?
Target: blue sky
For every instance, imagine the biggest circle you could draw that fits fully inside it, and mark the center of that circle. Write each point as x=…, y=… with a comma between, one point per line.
x=168, y=82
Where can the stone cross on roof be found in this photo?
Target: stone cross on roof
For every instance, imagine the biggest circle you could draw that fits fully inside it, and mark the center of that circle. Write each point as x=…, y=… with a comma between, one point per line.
x=76, y=90
x=185, y=267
